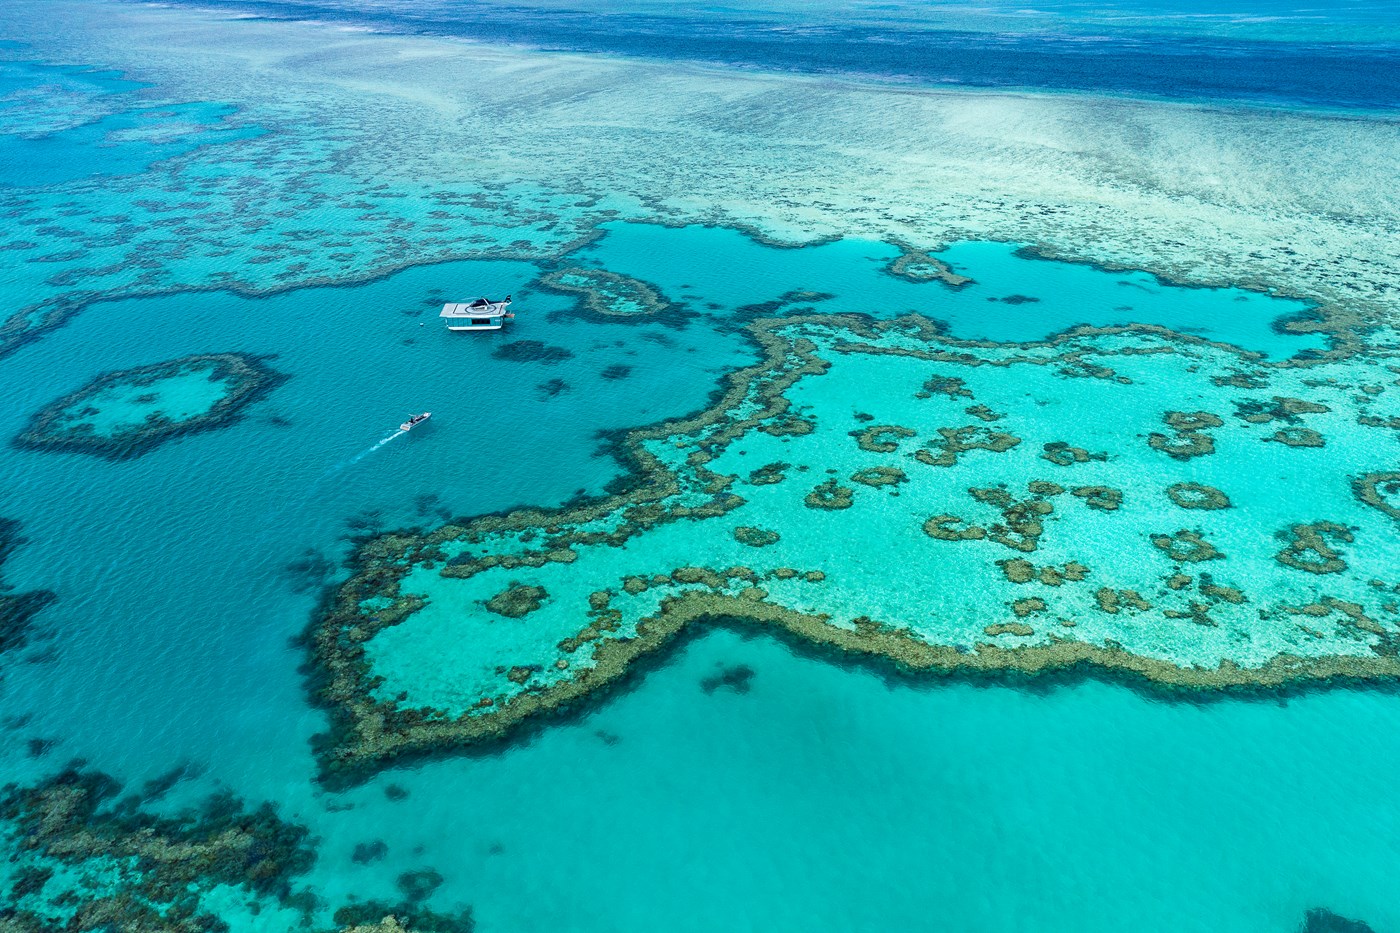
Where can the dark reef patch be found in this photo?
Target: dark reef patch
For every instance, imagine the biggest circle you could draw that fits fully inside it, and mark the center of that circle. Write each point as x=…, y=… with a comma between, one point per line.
x=786, y=302
x=1321, y=920
x=616, y=371
x=309, y=572
x=366, y=852
x=17, y=610
x=611, y=297
x=63, y=425
x=419, y=885
x=734, y=678
x=552, y=387
x=531, y=351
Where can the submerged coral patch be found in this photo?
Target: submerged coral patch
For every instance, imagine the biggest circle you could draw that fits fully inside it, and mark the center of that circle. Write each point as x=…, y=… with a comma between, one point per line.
x=129, y=412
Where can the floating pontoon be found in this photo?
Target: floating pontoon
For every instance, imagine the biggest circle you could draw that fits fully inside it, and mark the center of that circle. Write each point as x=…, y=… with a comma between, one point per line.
x=477, y=314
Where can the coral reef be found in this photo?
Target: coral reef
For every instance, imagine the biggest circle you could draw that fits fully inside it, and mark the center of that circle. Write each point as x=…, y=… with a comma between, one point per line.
x=81, y=422
x=1309, y=549
x=891, y=593
x=830, y=495
x=1380, y=491
x=125, y=868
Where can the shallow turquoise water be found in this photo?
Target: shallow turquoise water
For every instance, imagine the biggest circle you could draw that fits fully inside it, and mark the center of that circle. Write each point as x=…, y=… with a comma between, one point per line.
x=823, y=797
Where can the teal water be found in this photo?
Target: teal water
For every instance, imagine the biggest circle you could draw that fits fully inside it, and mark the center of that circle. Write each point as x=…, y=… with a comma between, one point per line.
x=813, y=796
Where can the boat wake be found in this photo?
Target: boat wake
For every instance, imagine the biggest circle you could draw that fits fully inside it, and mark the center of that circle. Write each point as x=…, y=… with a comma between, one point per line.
x=365, y=453
x=359, y=456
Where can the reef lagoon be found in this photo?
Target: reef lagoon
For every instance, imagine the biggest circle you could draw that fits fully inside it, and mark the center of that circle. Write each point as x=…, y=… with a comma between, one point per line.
x=943, y=474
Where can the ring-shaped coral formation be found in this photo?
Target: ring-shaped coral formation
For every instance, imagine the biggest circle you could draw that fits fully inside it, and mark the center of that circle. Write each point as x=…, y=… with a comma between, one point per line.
x=607, y=294
x=129, y=412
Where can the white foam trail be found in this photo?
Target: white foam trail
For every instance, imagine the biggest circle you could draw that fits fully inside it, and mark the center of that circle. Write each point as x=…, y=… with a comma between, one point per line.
x=365, y=453
x=359, y=456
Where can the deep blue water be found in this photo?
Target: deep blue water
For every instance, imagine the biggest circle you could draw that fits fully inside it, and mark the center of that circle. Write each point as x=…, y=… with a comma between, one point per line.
x=1142, y=61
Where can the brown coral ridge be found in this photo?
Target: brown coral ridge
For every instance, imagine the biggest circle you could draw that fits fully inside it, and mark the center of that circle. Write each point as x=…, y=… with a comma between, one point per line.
x=1297, y=437
x=755, y=537
x=387, y=734
x=17, y=610
x=154, y=870
x=882, y=438
x=368, y=733
x=247, y=378
x=951, y=386
x=1061, y=453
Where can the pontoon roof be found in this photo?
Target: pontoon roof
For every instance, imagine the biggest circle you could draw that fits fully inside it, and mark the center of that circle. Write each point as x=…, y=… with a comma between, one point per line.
x=477, y=307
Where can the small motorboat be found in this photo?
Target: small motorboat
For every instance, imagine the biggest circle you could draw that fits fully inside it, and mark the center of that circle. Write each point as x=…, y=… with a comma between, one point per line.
x=415, y=421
